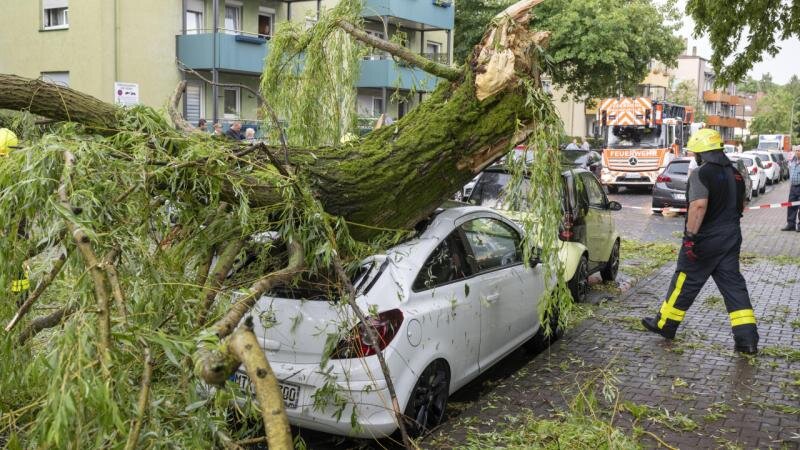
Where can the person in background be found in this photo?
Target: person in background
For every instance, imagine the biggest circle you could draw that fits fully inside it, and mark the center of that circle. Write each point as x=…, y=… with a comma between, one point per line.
x=235, y=131
x=676, y=148
x=585, y=145
x=217, y=129
x=792, y=223
x=201, y=125
x=250, y=135
x=573, y=145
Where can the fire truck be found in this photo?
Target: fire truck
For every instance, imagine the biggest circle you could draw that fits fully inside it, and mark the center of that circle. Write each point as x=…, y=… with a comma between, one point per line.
x=641, y=136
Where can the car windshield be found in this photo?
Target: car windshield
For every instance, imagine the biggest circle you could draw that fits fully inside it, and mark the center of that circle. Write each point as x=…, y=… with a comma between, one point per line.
x=630, y=137
x=575, y=157
x=679, y=168
x=490, y=191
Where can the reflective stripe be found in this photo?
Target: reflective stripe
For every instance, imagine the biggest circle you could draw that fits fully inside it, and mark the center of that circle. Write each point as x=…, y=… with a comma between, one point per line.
x=742, y=317
x=670, y=312
x=669, y=304
x=20, y=285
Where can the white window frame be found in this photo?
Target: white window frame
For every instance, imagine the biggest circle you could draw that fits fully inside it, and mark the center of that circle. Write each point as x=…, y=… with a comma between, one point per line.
x=238, y=103
x=200, y=22
x=64, y=11
x=237, y=28
x=383, y=107
x=202, y=86
x=268, y=12
x=54, y=77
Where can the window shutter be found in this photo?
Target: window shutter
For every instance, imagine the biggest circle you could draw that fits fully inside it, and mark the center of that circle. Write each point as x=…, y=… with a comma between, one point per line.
x=195, y=5
x=49, y=4
x=193, y=93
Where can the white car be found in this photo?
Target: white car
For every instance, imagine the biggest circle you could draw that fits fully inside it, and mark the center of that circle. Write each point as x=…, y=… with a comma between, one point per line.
x=448, y=305
x=758, y=176
x=772, y=167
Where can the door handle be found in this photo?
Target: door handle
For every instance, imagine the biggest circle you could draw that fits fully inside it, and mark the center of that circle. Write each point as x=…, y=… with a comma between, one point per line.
x=491, y=298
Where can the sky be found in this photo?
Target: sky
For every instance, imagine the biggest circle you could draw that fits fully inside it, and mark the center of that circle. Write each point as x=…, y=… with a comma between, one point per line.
x=782, y=66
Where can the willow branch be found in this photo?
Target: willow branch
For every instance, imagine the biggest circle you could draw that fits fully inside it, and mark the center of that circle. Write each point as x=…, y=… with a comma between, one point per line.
x=349, y=293
x=40, y=288
x=245, y=347
x=417, y=60
x=93, y=265
x=109, y=264
x=144, y=398
x=221, y=270
x=42, y=323
x=172, y=108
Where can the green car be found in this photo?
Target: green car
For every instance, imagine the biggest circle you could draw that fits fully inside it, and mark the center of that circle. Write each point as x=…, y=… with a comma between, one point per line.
x=589, y=239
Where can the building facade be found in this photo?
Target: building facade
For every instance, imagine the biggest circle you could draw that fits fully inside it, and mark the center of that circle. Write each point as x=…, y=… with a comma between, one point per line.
x=722, y=107
x=90, y=45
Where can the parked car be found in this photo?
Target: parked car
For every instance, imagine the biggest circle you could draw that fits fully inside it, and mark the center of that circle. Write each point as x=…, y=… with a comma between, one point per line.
x=771, y=166
x=758, y=176
x=590, y=242
x=669, y=190
x=583, y=159
x=465, y=191
x=783, y=162
x=447, y=305
x=748, y=182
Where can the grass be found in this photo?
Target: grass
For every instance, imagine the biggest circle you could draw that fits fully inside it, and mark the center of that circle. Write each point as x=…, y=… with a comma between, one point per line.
x=788, y=353
x=639, y=259
x=713, y=300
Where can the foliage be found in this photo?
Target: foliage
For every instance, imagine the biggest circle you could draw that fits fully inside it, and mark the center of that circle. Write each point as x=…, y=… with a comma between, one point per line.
x=639, y=259
x=685, y=93
x=598, y=48
x=760, y=25
x=775, y=108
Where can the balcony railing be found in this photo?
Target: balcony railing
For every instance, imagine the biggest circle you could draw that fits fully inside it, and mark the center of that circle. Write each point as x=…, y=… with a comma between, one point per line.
x=722, y=97
x=728, y=122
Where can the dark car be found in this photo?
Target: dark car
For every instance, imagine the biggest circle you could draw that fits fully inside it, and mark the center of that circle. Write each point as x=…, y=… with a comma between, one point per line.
x=748, y=183
x=582, y=159
x=783, y=163
x=670, y=188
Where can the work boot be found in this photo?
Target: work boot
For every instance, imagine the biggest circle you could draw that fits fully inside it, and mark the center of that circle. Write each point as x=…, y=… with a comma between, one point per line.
x=790, y=227
x=652, y=324
x=750, y=349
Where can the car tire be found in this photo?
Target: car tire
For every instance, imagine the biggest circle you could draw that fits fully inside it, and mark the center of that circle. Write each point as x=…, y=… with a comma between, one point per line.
x=609, y=272
x=764, y=189
x=579, y=283
x=428, y=400
x=754, y=194
x=539, y=342
x=612, y=189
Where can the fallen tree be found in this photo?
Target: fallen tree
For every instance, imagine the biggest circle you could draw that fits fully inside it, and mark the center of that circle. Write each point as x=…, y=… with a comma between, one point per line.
x=146, y=207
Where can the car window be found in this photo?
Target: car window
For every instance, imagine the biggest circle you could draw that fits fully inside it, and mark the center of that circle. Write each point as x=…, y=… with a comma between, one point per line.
x=679, y=168
x=490, y=191
x=594, y=192
x=758, y=162
x=747, y=161
x=446, y=264
x=581, y=197
x=493, y=243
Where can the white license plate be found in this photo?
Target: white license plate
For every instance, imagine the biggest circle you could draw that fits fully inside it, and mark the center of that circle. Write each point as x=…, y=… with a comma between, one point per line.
x=635, y=176
x=679, y=196
x=291, y=392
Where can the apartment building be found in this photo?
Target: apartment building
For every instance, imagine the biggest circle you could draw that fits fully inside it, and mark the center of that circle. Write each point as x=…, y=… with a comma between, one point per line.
x=722, y=106
x=94, y=45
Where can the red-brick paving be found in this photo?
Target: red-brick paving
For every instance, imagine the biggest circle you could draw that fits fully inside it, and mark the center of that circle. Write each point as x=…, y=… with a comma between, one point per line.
x=735, y=400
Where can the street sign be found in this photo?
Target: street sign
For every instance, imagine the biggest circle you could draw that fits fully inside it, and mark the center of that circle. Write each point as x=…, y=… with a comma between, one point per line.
x=126, y=94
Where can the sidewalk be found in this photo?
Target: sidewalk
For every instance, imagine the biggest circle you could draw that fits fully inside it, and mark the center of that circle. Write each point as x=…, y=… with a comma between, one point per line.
x=692, y=393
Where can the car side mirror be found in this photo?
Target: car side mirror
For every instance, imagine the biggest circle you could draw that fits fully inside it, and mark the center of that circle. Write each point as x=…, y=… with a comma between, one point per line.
x=614, y=205
x=535, y=260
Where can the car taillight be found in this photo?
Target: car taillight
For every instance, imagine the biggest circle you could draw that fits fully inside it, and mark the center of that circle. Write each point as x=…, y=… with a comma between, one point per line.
x=663, y=179
x=769, y=164
x=566, y=233
x=754, y=170
x=357, y=343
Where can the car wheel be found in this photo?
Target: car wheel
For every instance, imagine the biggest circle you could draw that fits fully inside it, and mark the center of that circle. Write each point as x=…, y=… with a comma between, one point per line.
x=754, y=194
x=609, y=272
x=428, y=401
x=539, y=342
x=764, y=189
x=612, y=189
x=579, y=284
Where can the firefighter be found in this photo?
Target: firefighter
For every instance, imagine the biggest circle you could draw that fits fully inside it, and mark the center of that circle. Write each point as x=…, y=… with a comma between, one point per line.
x=7, y=140
x=711, y=243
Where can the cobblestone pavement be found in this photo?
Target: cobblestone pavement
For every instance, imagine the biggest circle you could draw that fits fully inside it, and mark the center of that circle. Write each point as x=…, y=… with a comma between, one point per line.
x=730, y=400
x=759, y=227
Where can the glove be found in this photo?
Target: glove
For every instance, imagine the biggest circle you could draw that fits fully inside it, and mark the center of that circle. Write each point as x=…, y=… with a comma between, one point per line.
x=688, y=245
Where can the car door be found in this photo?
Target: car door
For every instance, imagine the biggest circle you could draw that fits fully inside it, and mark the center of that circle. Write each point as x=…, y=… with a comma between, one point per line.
x=598, y=221
x=508, y=291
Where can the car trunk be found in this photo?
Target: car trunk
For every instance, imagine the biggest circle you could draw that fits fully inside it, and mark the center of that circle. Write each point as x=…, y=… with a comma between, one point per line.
x=677, y=175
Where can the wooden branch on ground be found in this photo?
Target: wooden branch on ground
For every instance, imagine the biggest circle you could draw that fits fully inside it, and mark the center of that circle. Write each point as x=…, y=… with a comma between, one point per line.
x=221, y=270
x=173, y=105
x=40, y=288
x=42, y=323
x=349, y=293
x=93, y=264
x=417, y=60
x=144, y=401
x=245, y=347
x=55, y=102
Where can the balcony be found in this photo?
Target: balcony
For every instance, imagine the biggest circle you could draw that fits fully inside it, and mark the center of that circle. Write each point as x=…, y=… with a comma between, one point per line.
x=379, y=73
x=727, y=122
x=239, y=53
x=431, y=14
x=722, y=97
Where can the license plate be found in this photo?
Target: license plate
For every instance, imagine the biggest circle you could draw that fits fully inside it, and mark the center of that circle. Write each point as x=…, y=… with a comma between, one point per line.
x=679, y=196
x=291, y=392
x=634, y=176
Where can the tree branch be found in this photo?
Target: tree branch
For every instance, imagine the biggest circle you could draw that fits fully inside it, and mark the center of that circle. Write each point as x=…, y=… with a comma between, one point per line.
x=172, y=108
x=109, y=264
x=144, y=398
x=49, y=321
x=221, y=269
x=432, y=67
x=40, y=288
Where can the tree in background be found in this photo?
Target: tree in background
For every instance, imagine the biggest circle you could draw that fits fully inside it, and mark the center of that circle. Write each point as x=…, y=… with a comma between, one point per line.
x=774, y=110
x=685, y=93
x=599, y=48
x=760, y=25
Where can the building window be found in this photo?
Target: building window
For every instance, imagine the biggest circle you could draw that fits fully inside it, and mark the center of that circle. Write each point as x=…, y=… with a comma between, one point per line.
x=377, y=106
x=376, y=55
x=266, y=22
x=59, y=78
x=231, y=104
x=433, y=51
x=193, y=102
x=55, y=14
x=194, y=22
x=233, y=19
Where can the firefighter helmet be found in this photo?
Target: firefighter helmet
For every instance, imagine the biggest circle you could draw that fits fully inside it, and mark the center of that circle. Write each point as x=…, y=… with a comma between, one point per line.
x=705, y=140
x=7, y=140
